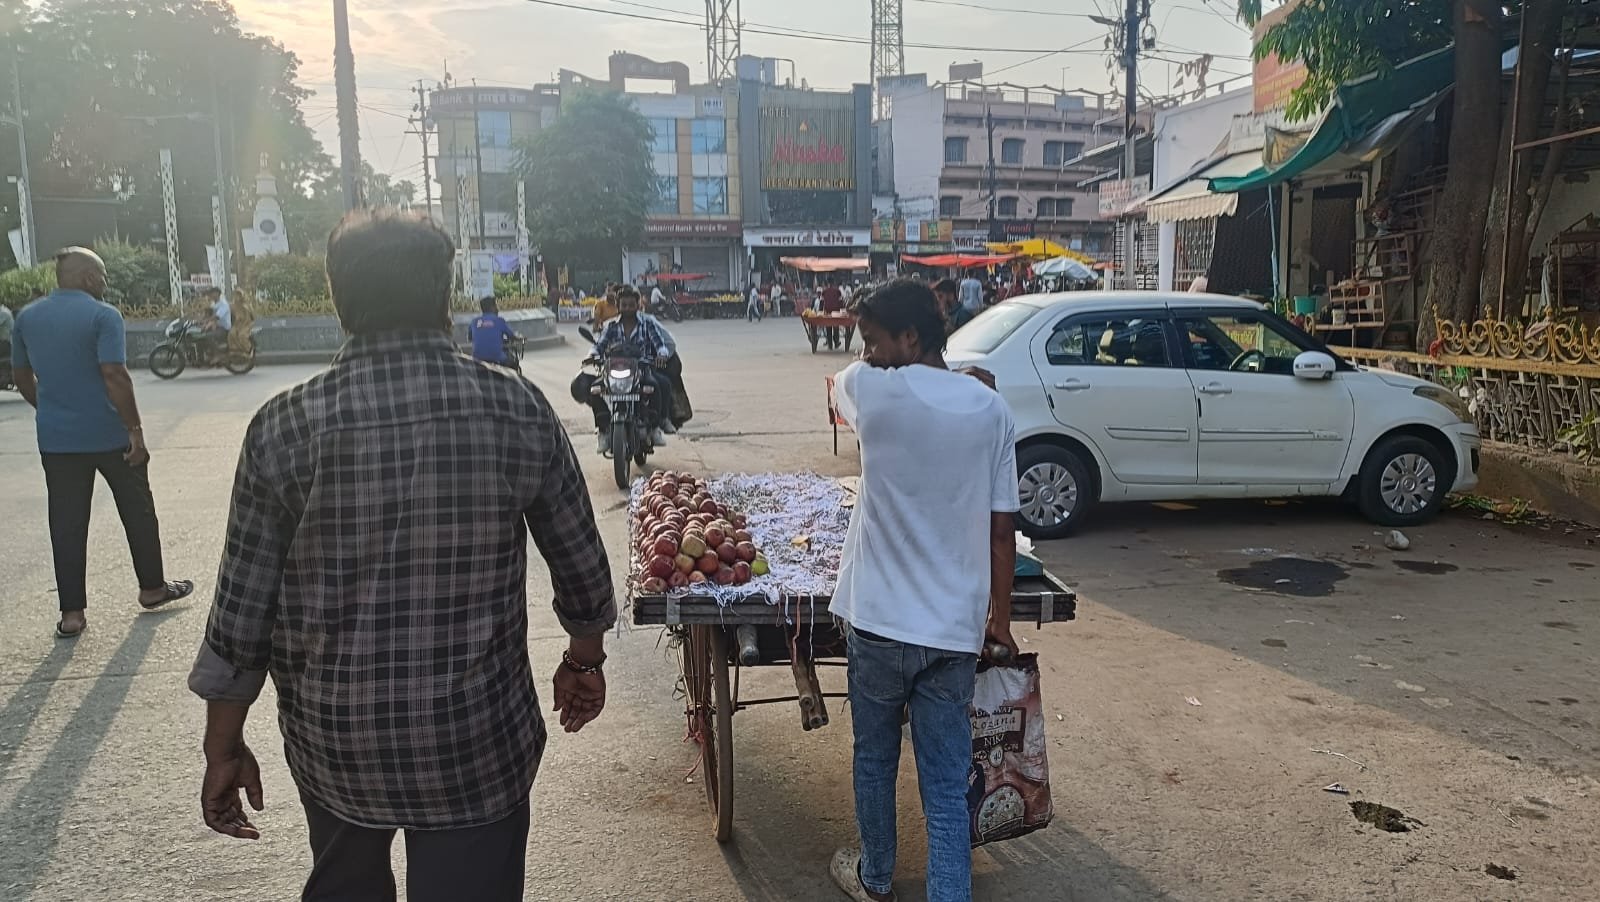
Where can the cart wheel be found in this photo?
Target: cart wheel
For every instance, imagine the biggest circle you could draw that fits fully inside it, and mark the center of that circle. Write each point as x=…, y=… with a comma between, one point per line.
x=718, y=772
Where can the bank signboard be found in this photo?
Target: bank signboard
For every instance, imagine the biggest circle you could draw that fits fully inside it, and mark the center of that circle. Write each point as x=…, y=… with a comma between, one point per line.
x=807, y=142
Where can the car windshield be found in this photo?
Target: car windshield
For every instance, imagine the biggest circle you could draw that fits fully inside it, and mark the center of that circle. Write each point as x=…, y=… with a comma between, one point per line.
x=989, y=328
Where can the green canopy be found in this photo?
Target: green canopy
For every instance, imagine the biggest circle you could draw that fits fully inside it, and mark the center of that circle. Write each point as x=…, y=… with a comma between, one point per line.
x=1367, y=117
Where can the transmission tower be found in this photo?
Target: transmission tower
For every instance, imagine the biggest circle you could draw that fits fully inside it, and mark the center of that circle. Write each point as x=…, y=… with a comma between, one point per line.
x=722, y=40
x=888, y=49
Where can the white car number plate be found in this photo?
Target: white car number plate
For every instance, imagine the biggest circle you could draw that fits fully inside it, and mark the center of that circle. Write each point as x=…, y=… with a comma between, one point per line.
x=624, y=397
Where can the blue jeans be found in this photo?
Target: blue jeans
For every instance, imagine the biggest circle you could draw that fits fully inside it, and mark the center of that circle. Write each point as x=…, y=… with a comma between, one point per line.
x=885, y=677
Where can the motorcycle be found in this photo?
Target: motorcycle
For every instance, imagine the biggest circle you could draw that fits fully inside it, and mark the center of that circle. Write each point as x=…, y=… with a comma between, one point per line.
x=186, y=346
x=8, y=381
x=667, y=307
x=515, y=346
x=622, y=384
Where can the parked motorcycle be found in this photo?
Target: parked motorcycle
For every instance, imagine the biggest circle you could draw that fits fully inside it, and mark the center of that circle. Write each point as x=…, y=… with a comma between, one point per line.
x=622, y=384
x=187, y=346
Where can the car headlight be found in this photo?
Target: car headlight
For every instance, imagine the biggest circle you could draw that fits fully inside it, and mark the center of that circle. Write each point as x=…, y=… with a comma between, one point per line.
x=1446, y=397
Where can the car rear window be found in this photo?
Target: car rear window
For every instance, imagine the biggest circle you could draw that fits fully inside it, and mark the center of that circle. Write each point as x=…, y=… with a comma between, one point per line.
x=989, y=329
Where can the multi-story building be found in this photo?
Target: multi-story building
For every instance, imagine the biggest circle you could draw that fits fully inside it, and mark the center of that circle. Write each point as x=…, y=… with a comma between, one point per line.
x=477, y=129
x=934, y=153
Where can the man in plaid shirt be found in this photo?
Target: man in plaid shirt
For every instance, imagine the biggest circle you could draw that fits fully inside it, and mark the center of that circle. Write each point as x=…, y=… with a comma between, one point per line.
x=375, y=565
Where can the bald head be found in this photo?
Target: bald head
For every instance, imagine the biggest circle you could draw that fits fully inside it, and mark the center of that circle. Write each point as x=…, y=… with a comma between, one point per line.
x=81, y=269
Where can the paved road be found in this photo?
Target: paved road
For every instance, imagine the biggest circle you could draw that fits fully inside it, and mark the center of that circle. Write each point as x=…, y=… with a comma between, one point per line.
x=1457, y=683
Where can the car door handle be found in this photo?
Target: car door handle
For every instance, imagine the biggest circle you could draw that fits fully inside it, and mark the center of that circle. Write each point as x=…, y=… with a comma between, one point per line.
x=1215, y=388
x=1072, y=385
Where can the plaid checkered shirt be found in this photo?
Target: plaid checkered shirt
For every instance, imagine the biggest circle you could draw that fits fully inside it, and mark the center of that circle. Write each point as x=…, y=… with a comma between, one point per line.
x=376, y=564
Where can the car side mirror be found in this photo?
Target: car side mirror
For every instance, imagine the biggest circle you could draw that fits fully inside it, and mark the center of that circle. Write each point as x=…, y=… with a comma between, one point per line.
x=587, y=335
x=1314, y=365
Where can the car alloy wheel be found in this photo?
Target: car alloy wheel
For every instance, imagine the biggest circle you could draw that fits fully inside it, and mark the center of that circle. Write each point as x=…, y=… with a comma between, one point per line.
x=1049, y=493
x=1408, y=484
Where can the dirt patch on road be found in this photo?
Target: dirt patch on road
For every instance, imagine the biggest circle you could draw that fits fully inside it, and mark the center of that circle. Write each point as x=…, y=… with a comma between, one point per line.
x=1303, y=577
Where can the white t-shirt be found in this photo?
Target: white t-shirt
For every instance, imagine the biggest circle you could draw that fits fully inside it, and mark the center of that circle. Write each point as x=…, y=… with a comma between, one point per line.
x=938, y=456
x=223, y=313
x=656, y=297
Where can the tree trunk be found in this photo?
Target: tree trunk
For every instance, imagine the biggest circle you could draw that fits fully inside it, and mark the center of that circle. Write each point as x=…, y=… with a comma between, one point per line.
x=1542, y=31
x=1456, y=250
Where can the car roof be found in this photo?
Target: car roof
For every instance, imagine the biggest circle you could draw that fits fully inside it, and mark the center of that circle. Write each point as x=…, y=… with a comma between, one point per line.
x=1066, y=301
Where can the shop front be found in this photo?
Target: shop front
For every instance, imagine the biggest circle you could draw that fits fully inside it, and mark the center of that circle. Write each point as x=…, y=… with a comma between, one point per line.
x=710, y=247
x=767, y=246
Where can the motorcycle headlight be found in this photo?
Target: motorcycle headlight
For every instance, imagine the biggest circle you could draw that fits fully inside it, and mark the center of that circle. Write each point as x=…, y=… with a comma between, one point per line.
x=618, y=386
x=619, y=374
x=1441, y=395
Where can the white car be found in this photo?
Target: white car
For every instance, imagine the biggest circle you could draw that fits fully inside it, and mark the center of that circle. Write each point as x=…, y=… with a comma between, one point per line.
x=1146, y=396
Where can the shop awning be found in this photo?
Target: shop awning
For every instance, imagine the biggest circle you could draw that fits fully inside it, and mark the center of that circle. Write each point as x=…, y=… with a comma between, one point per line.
x=1367, y=118
x=1192, y=197
x=826, y=264
x=680, y=276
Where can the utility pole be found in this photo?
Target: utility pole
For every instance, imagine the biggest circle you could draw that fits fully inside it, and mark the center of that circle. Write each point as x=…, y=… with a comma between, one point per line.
x=344, y=86
x=1130, y=128
x=224, y=196
x=988, y=127
x=30, y=239
x=421, y=122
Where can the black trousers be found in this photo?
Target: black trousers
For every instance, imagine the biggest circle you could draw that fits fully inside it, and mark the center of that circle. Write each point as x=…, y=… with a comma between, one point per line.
x=351, y=863
x=69, y=481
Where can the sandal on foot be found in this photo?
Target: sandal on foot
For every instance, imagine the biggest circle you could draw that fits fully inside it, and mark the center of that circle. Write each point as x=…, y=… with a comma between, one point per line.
x=171, y=591
x=62, y=633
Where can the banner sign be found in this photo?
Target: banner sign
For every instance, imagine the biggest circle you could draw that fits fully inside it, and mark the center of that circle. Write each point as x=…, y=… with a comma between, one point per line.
x=809, y=145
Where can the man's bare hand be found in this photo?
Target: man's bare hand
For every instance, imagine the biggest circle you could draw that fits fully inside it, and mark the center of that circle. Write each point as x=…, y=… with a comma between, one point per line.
x=980, y=374
x=137, y=454
x=219, y=793
x=1000, y=633
x=579, y=697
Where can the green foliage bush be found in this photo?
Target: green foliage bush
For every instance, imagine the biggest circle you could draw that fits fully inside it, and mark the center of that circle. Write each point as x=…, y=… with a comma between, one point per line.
x=19, y=286
x=136, y=276
x=288, y=277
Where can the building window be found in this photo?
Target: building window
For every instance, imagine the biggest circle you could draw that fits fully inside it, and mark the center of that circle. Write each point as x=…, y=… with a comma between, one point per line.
x=708, y=136
x=494, y=128
x=1045, y=208
x=666, y=135
x=1057, y=153
x=955, y=150
x=666, y=202
x=711, y=196
x=1008, y=206
x=1011, y=151
x=950, y=206
x=1063, y=208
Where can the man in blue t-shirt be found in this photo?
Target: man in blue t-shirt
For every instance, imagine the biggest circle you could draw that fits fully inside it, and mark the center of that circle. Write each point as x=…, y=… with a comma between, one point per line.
x=69, y=355
x=489, y=333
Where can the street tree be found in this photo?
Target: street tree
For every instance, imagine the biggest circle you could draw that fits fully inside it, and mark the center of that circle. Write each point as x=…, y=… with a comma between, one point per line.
x=590, y=181
x=1348, y=39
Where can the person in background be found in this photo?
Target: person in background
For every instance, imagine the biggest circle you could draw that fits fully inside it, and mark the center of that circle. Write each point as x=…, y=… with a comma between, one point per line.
x=971, y=294
x=218, y=321
x=489, y=334
x=375, y=565
x=917, y=613
x=69, y=360
x=832, y=301
x=640, y=336
x=956, y=314
x=7, y=323
x=754, y=311
x=776, y=303
x=658, y=300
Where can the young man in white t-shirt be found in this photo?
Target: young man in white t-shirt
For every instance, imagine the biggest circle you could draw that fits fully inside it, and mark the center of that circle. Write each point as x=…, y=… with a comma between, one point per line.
x=926, y=574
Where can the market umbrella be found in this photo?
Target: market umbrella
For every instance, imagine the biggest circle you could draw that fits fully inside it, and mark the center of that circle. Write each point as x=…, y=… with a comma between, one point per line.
x=1063, y=266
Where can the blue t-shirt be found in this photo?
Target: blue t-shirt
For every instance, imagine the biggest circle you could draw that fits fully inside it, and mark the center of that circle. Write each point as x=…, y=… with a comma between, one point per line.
x=488, y=333
x=64, y=338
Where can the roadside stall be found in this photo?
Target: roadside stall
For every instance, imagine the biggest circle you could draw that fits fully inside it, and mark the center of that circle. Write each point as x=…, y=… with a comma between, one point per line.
x=740, y=570
x=815, y=322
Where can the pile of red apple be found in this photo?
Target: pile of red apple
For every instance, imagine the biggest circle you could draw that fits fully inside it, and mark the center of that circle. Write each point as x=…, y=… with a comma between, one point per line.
x=683, y=538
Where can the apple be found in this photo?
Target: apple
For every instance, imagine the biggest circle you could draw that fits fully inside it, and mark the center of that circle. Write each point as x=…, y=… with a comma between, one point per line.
x=739, y=522
x=708, y=563
x=742, y=535
x=741, y=573
x=727, y=552
x=745, y=550
x=724, y=576
x=693, y=544
x=759, y=566
x=715, y=536
x=666, y=546
x=660, y=566
x=683, y=563
x=655, y=585
x=697, y=578
x=678, y=579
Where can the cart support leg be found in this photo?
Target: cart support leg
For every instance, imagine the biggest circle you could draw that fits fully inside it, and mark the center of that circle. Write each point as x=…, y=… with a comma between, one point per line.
x=749, y=654
x=813, y=713
x=821, y=716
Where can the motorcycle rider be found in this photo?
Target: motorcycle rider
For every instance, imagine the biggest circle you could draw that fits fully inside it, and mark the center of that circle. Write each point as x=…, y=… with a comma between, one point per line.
x=489, y=334
x=218, y=321
x=637, y=335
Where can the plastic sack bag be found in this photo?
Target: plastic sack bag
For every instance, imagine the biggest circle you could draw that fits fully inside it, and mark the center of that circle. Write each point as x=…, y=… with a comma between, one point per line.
x=1008, y=786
